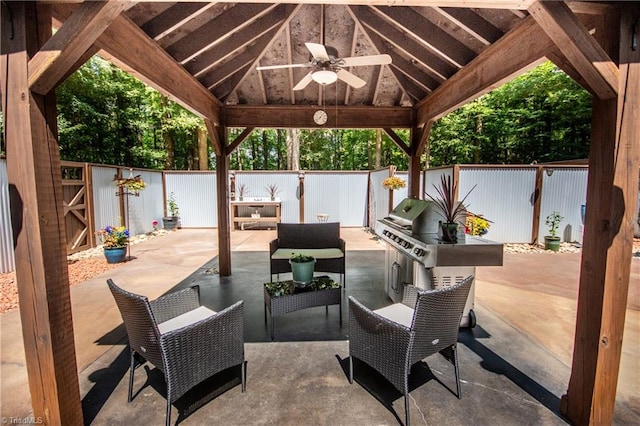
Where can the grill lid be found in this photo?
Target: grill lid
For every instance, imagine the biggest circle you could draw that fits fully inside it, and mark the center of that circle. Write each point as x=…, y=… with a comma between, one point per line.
x=415, y=216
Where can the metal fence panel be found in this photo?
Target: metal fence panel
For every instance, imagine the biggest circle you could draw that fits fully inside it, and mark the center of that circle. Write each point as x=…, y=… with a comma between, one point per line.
x=379, y=199
x=563, y=190
x=106, y=205
x=7, y=254
x=288, y=191
x=341, y=195
x=503, y=195
x=195, y=194
x=147, y=207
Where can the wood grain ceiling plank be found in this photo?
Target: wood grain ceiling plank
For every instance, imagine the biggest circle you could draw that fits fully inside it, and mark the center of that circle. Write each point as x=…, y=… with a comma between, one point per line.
x=170, y=18
x=247, y=54
x=210, y=12
x=429, y=34
x=142, y=12
x=400, y=40
x=487, y=70
x=485, y=4
x=128, y=47
x=228, y=86
x=264, y=26
x=69, y=43
x=414, y=89
x=580, y=48
x=216, y=30
x=472, y=23
x=411, y=69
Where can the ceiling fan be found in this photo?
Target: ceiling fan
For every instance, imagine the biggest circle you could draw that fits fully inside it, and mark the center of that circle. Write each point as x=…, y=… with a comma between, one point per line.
x=328, y=67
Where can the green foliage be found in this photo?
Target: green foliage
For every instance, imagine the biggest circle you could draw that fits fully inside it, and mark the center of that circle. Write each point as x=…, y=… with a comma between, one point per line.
x=540, y=116
x=553, y=220
x=107, y=116
x=174, y=211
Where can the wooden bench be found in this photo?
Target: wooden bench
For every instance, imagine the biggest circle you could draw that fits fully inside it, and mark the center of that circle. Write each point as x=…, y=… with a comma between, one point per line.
x=320, y=240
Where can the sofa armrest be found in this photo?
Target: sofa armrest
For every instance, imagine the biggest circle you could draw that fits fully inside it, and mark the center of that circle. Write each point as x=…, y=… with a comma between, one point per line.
x=273, y=246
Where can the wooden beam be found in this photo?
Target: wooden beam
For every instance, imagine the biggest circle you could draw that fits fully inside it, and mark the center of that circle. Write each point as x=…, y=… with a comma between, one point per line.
x=35, y=188
x=575, y=42
x=48, y=67
x=612, y=190
x=126, y=45
x=222, y=193
x=239, y=139
x=419, y=138
x=484, y=4
x=488, y=70
x=301, y=116
x=397, y=140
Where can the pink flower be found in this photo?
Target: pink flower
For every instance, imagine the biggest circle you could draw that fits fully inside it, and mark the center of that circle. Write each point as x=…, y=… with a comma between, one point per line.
x=154, y=223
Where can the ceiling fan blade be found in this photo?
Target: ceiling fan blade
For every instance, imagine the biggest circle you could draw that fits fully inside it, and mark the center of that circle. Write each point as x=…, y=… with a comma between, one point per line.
x=318, y=51
x=365, y=60
x=304, y=82
x=351, y=79
x=277, y=67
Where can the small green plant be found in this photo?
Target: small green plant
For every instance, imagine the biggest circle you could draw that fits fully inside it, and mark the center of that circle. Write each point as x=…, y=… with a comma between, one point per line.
x=553, y=220
x=301, y=258
x=174, y=211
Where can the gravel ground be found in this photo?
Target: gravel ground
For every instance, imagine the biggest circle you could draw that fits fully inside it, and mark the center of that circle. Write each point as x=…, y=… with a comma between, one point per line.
x=89, y=263
x=82, y=266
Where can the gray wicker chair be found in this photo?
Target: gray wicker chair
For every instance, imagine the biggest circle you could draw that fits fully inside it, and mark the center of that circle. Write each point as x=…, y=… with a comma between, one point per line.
x=394, y=338
x=187, y=342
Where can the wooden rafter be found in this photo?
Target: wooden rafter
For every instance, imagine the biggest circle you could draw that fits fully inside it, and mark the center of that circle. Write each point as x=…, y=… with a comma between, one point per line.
x=440, y=68
x=50, y=65
x=575, y=42
x=125, y=44
x=440, y=42
x=487, y=70
x=471, y=23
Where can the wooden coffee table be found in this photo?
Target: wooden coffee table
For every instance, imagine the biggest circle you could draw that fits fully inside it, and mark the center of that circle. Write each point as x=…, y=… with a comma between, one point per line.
x=282, y=297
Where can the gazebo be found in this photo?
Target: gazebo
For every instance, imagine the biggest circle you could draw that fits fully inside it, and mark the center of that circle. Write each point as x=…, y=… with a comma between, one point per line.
x=204, y=55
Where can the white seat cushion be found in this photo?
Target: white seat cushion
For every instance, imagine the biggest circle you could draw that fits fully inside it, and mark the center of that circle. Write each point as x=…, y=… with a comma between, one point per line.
x=325, y=253
x=195, y=315
x=398, y=312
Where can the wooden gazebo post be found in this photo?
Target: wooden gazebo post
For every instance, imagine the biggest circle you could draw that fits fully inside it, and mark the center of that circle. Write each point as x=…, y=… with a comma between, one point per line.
x=35, y=185
x=612, y=191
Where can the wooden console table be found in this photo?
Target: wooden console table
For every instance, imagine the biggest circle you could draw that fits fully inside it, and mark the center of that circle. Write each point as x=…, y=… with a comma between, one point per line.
x=240, y=219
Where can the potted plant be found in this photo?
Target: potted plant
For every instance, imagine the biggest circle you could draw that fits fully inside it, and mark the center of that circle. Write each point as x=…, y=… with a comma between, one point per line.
x=242, y=191
x=302, y=268
x=477, y=225
x=171, y=221
x=115, y=240
x=552, y=241
x=452, y=211
x=272, y=190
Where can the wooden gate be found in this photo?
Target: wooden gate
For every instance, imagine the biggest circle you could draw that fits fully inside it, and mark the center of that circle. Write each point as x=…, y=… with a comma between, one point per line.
x=77, y=206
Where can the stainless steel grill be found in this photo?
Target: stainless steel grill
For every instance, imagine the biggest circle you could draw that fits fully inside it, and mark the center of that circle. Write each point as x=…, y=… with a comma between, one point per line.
x=417, y=255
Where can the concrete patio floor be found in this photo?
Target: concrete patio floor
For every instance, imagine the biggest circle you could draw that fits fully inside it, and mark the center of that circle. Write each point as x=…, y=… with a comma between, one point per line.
x=514, y=364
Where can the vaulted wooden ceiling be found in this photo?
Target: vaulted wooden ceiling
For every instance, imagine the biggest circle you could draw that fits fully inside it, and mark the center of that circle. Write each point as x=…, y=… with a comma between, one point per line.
x=220, y=44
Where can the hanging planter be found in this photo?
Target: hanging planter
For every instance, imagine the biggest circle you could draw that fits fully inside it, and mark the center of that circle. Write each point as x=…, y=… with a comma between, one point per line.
x=132, y=185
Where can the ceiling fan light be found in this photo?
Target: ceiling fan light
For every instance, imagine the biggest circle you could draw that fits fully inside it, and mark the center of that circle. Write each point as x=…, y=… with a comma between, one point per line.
x=324, y=77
